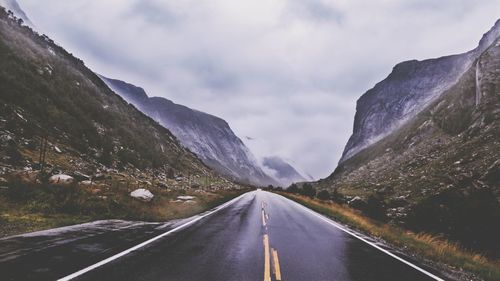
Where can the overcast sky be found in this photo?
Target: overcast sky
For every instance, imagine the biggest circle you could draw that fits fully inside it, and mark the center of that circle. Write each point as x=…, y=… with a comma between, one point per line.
x=284, y=73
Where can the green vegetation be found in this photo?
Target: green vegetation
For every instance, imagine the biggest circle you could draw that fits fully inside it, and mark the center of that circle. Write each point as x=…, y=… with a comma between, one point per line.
x=427, y=246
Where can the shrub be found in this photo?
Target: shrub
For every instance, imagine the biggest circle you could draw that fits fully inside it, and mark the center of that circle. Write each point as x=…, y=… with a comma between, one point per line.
x=324, y=195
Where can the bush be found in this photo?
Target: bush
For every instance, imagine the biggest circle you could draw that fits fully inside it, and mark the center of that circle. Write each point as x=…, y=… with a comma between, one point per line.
x=293, y=188
x=375, y=208
x=308, y=190
x=324, y=195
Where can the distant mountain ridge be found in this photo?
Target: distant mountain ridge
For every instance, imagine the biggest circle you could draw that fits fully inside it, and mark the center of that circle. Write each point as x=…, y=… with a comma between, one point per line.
x=282, y=171
x=13, y=6
x=208, y=136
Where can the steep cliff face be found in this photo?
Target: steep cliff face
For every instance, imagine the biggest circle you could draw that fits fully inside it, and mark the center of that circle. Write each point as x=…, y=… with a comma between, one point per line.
x=206, y=135
x=439, y=171
x=410, y=87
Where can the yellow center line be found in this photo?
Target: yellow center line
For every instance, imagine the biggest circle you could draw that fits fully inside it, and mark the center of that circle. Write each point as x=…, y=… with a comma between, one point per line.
x=276, y=262
x=267, y=265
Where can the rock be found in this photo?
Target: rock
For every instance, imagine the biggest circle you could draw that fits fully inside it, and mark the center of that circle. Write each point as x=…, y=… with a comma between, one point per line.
x=85, y=183
x=61, y=180
x=162, y=185
x=3, y=181
x=57, y=149
x=142, y=194
x=80, y=176
x=185, y=198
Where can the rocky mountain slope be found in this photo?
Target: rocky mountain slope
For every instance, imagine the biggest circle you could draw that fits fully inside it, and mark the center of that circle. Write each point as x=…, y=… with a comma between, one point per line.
x=436, y=166
x=409, y=88
x=282, y=171
x=206, y=135
x=48, y=93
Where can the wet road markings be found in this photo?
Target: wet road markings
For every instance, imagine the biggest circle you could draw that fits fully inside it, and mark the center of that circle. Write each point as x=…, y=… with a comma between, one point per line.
x=267, y=261
x=276, y=263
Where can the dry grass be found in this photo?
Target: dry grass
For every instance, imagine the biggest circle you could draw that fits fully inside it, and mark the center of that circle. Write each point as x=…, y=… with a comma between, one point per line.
x=427, y=246
x=31, y=207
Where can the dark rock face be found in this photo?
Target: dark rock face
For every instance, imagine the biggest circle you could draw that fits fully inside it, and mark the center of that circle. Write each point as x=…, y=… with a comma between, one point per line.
x=206, y=135
x=411, y=86
x=283, y=171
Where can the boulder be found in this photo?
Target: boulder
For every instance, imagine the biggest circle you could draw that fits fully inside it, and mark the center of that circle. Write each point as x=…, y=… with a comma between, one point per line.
x=61, y=180
x=142, y=194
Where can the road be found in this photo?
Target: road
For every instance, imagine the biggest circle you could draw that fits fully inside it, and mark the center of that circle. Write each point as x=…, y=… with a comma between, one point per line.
x=258, y=236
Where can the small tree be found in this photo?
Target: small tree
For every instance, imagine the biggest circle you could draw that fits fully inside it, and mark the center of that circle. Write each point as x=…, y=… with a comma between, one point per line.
x=324, y=195
x=308, y=190
x=293, y=188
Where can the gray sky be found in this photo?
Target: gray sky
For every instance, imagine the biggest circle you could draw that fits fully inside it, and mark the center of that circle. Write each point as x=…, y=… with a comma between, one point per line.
x=286, y=73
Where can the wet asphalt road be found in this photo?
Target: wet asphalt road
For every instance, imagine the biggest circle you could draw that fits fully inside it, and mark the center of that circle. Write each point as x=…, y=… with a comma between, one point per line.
x=261, y=236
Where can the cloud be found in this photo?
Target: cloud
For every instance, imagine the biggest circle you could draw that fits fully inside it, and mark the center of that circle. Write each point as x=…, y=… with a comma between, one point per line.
x=284, y=73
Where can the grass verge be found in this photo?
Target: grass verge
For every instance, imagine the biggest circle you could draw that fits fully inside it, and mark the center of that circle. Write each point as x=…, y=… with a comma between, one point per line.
x=430, y=247
x=32, y=207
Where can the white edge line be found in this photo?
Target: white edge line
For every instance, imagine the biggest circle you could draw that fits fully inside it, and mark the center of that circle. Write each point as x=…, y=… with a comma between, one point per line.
x=335, y=224
x=128, y=251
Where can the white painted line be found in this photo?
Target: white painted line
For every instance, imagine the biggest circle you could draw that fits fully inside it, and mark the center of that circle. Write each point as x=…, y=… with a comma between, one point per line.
x=335, y=224
x=128, y=251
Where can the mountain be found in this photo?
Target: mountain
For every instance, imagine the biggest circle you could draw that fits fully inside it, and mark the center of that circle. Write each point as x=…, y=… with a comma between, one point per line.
x=208, y=136
x=46, y=93
x=13, y=6
x=426, y=147
x=281, y=170
x=409, y=88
